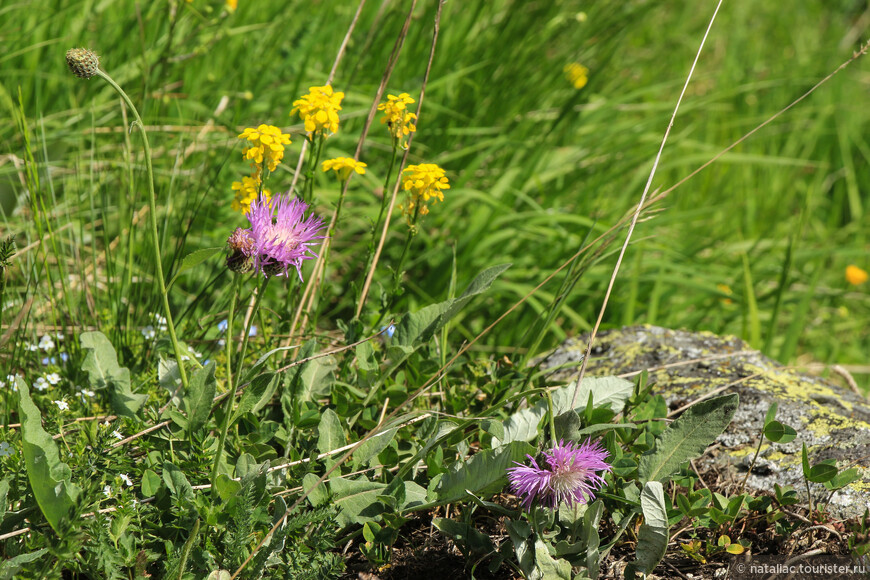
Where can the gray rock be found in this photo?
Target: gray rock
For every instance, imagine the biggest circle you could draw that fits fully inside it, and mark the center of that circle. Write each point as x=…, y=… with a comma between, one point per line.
x=683, y=366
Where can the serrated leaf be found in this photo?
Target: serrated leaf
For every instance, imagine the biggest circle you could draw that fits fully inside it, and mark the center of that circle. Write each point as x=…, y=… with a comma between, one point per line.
x=192, y=260
x=104, y=372
x=652, y=539
x=50, y=478
x=687, y=437
x=199, y=396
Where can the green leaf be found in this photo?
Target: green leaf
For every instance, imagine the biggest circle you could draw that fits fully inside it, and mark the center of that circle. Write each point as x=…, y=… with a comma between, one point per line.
x=226, y=487
x=356, y=499
x=316, y=495
x=150, y=483
x=104, y=372
x=805, y=460
x=469, y=540
x=687, y=437
x=192, y=260
x=314, y=378
x=10, y=568
x=4, y=491
x=372, y=446
x=416, y=328
x=567, y=426
x=49, y=477
x=176, y=481
x=609, y=392
x=822, y=472
x=330, y=433
x=199, y=397
x=779, y=433
x=652, y=539
x=840, y=481
x=256, y=395
x=548, y=567
x=519, y=533
x=522, y=425
x=485, y=471
x=771, y=413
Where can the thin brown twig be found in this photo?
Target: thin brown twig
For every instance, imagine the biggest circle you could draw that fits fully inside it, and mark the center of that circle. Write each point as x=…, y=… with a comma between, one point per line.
x=640, y=205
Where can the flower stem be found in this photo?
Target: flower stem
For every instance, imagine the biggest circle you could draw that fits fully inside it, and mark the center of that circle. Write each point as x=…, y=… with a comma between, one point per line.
x=155, y=238
x=552, y=417
x=231, y=390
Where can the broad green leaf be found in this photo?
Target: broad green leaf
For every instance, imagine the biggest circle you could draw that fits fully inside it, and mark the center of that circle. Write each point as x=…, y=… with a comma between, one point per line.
x=469, y=540
x=4, y=491
x=10, y=568
x=779, y=433
x=199, y=396
x=219, y=575
x=522, y=425
x=843, y=479
x=415, y=496
x=365, y=356
x=317, y=494
x=519, y=532
x=49, y=477
x=485, y=471
x=176, y=481
x=593, y=429
x=609, y=392
x=687, y=437
x=771, y=413
x=356, y=499
x=822, y=473
x=548, y=567
x=150, y=483
x=104, y=372
x=226, y=487
x=567, y=426
x=372, y=446
x=416, y=328
x=652, y=539
x=313, y=379
x=192, y=260
x=330, y=434
x=256, y=395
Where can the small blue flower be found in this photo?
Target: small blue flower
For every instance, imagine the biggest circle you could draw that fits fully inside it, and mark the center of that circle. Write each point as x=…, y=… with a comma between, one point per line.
x=222, y=325
x=390, y=330
x=253, y=331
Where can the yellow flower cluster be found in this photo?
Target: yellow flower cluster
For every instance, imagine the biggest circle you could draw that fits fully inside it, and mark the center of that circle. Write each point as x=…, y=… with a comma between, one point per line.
x=423, y=183
x=267, y=142
x=855, y=275
x=577, y=74
x=246, y=192
x=319, y=110
x=344, y=166
x=397, y=118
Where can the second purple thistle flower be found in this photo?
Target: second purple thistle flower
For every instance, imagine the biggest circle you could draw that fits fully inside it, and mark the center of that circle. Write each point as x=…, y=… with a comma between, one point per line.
x=280, y=235
x=569, y=475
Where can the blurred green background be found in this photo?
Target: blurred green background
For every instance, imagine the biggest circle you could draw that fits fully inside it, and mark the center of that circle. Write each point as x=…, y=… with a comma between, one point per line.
x=756, y=245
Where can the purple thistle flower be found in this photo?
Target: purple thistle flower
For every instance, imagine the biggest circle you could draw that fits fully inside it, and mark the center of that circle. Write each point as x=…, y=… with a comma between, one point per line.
x=569, y=475
x=279, y=237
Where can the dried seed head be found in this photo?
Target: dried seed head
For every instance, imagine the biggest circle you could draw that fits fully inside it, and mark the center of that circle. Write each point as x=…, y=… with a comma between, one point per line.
x=241, y=246
x=82, y=62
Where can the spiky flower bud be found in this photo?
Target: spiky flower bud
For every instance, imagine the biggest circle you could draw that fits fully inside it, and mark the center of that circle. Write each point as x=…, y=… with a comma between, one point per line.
x=241, y=245
x=82, y=62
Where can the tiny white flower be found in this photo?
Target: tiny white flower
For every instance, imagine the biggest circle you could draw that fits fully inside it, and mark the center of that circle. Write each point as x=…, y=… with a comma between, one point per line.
x=59, y=336
x=62, y=405
x=127, y=481
x=148, y=332
x=45, y=343
x=107, y=491
x=86, y=394
x=107, y=424
x=53, y=378
x=5, y=449
x=41, y=384
x=222, y=342
x=31, y=347
x=117, y=434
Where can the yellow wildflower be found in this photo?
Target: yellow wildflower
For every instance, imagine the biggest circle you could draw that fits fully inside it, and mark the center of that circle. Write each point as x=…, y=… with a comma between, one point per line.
x=232, y=5
x=423, y=183
x=319, y=110
x=577, y=74
x=725, y=289
x=397, y=117
x=246, y=192
x=267, y=142
x=855, y=275
x=344, y=166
